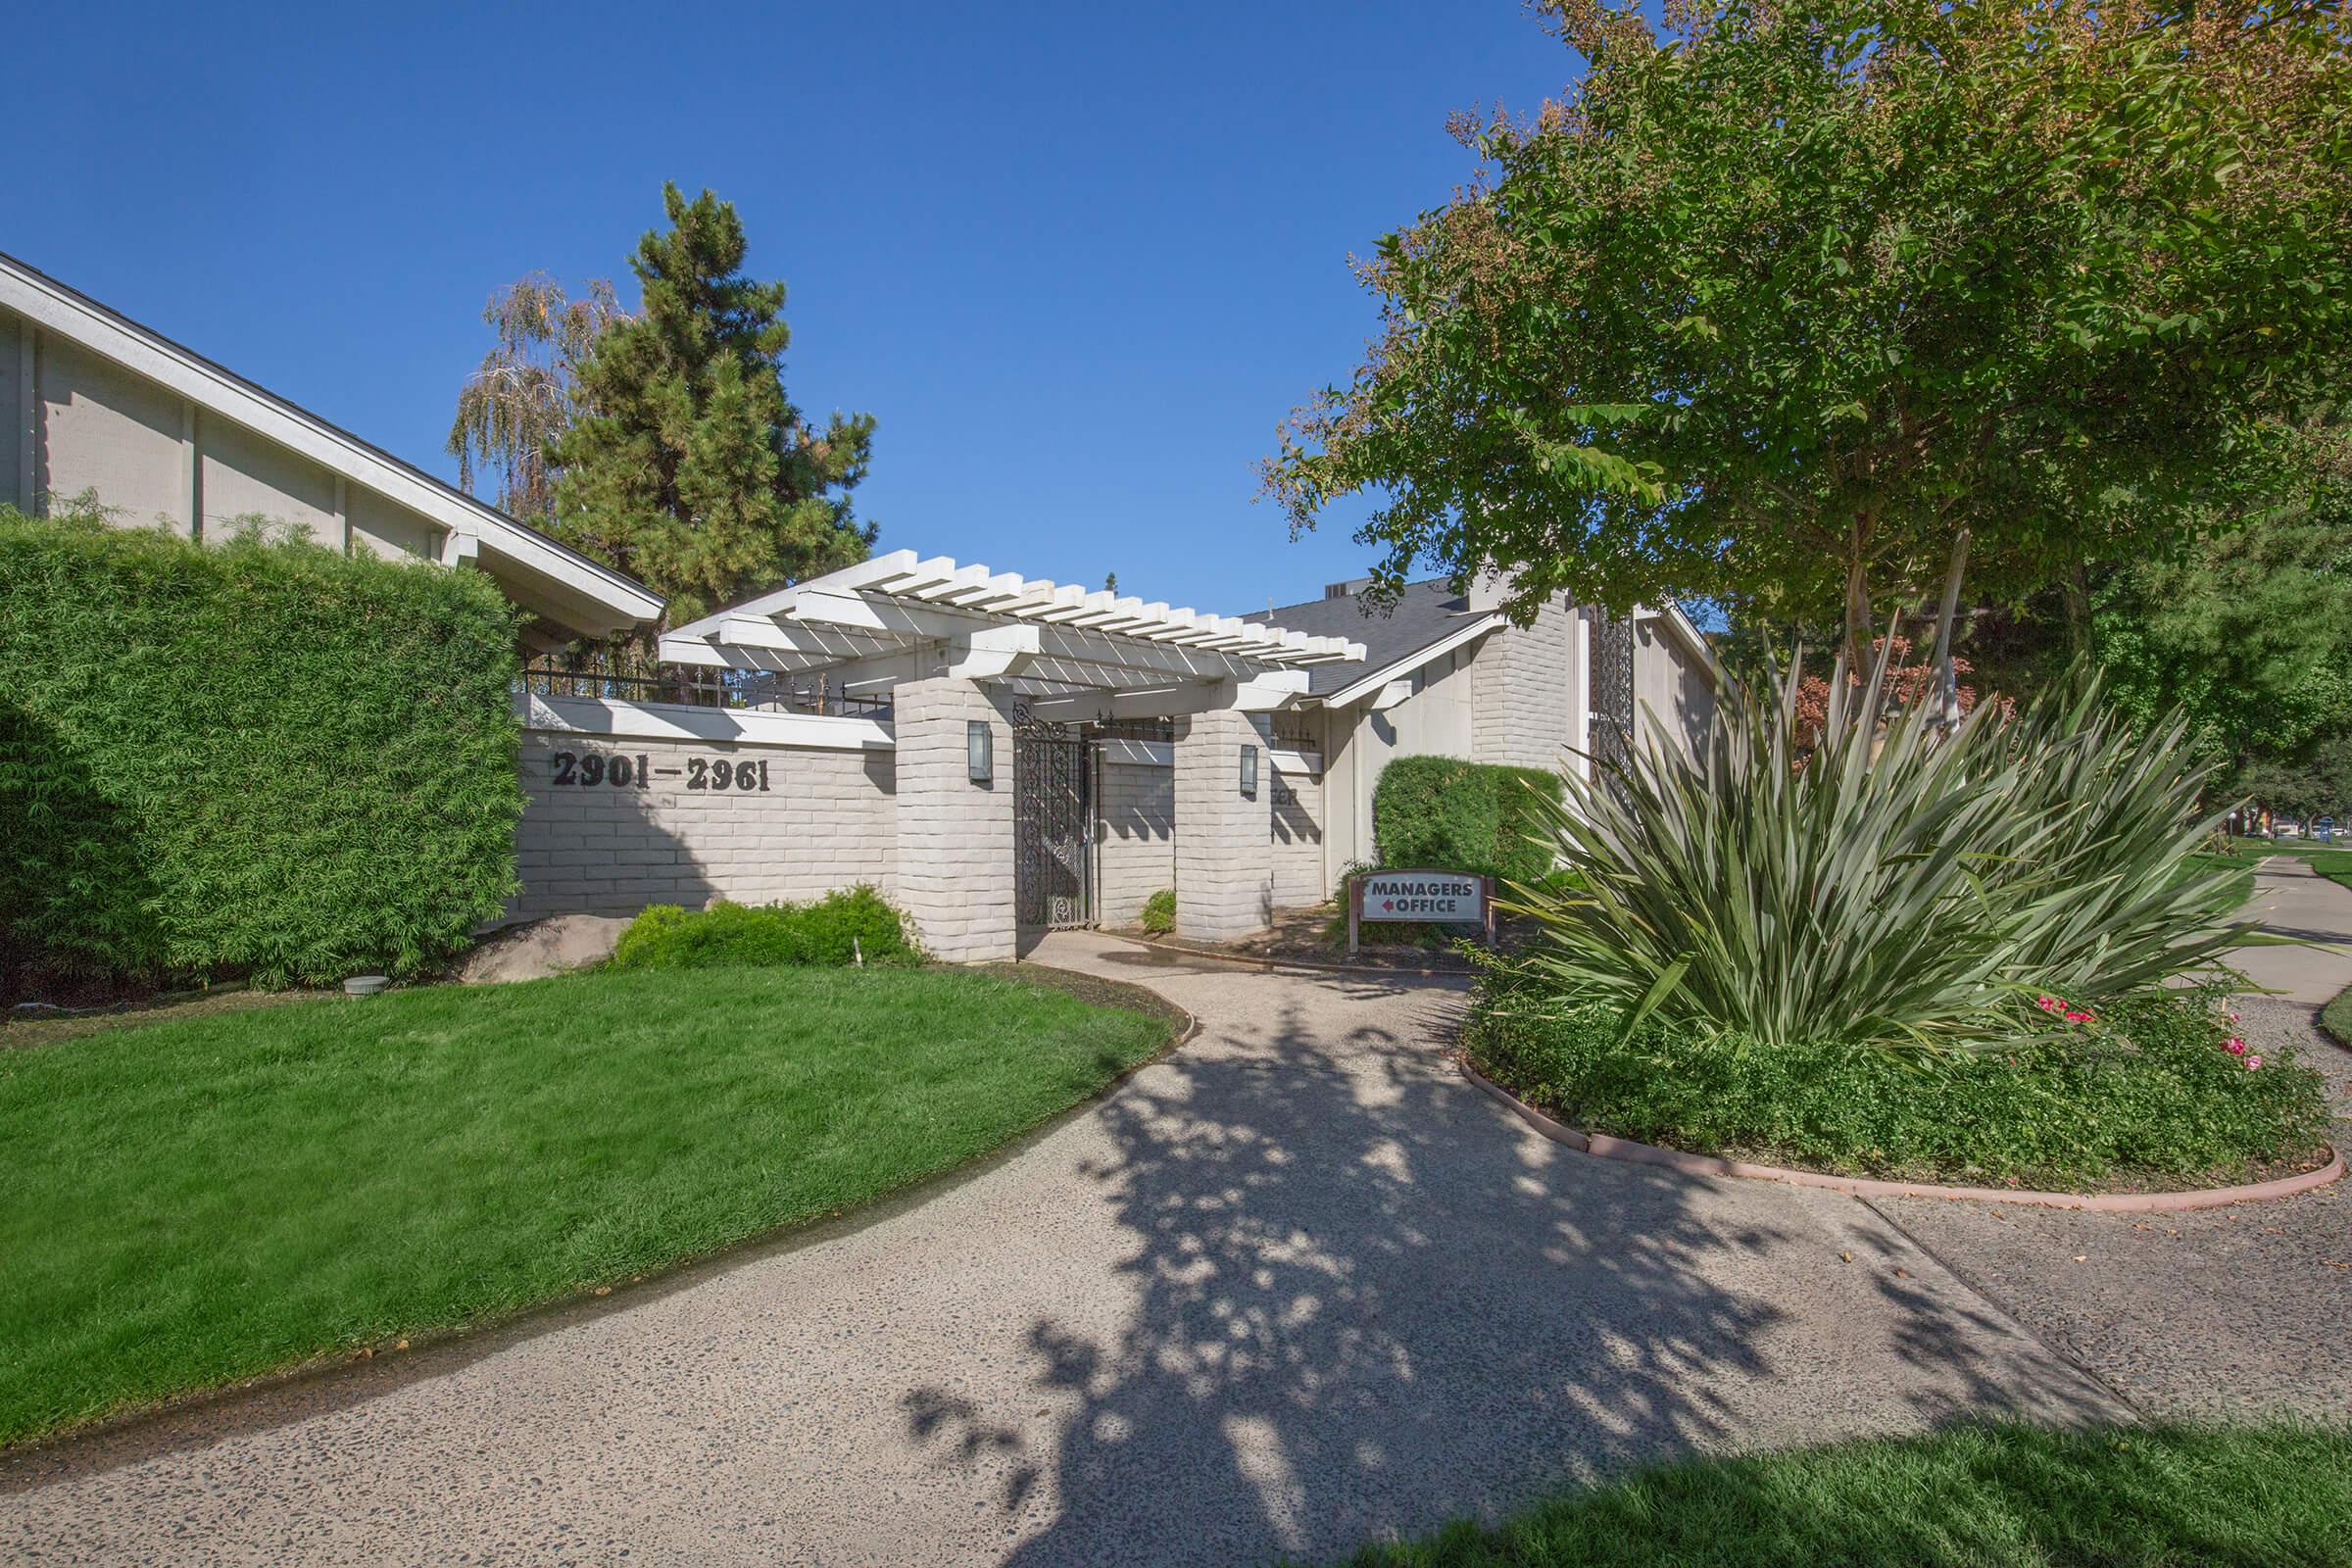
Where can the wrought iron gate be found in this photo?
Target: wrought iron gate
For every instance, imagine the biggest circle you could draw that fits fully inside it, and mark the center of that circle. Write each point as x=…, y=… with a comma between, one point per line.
x=1612, y=738
x=1053, y=822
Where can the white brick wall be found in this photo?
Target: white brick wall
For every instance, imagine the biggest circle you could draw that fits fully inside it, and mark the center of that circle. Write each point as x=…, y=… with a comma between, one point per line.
x=955, y=849
x=824, y=821
x=1224, y=882
x=1522, y=692
x=1299, y=840
x=1134, y=848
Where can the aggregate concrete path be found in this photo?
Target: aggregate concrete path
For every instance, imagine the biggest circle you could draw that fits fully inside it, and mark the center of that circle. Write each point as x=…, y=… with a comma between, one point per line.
x=1298, y=1285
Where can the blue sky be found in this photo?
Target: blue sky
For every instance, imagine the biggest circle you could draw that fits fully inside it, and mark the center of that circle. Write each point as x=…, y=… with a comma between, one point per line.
x=1077, y=259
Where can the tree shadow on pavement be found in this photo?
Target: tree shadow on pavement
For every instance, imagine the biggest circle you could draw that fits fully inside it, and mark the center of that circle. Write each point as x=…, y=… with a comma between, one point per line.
x=1366, y=1307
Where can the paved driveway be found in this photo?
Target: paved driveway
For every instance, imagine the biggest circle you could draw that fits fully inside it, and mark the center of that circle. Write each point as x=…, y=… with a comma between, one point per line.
x=1298, y=1285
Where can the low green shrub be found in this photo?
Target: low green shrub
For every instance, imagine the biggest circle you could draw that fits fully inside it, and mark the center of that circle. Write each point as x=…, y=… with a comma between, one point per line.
x=1482, y=819
x=1159, y=912
x=2149, y=1088
x=254, y=759
x=840, y=929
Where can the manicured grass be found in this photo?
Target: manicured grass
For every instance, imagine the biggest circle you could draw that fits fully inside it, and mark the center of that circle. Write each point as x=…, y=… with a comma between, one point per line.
x=1970, y=1498
x=2241, y=859
x=2334, y=865
x=2336, y=1018
x=189, y=1203
x=2244, y=854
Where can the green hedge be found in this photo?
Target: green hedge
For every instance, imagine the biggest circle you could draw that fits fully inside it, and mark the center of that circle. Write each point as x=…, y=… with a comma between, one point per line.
x=1453, y=815
x=259, y=758
x=839, y=928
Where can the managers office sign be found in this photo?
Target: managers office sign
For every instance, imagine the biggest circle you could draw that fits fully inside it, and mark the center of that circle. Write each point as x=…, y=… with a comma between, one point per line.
x=1444, y=897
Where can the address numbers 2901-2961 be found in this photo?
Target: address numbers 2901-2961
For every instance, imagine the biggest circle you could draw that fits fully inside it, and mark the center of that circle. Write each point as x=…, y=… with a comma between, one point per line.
x=589, y=770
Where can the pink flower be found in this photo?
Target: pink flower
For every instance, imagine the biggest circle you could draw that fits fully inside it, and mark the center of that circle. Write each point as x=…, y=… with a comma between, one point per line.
x=2072, y=1017
x=2049, y=1004
x=2253, y=1063
x=2234, y=1045
x=2231, y=1017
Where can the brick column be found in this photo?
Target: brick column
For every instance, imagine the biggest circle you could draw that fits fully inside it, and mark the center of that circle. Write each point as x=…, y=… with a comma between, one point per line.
x=1224, y=839
x=955, y=837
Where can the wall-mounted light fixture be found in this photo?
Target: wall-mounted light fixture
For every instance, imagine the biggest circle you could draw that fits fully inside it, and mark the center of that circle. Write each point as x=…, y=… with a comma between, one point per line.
x=1248, y=773
x=979, y=746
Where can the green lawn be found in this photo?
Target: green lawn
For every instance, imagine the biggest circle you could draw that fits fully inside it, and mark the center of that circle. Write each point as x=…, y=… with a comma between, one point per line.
x=190, y=1202
x=2336, y=1018
x=1982, y=1497
x=2244, y=854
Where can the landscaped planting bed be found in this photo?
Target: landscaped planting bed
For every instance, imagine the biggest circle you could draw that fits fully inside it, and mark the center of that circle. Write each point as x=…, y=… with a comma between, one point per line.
x=2003, y=1497
x=183, y=1205
x=2155, y=1092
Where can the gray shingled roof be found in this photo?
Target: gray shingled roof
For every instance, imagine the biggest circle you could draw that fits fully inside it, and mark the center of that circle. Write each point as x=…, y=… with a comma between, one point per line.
x=1426, y=613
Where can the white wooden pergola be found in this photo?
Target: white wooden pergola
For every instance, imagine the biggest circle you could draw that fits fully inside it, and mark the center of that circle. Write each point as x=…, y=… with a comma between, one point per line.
x=1071, y=654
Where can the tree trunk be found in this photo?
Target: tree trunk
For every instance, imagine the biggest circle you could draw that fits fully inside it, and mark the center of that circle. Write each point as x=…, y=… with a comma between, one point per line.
x=1947, y=678
x=2078, y=610
x=1857, y=599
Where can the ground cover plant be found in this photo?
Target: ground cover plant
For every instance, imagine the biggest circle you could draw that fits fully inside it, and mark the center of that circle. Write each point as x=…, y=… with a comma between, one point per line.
x=184, y=1205
x=246, y=757
x=1992, y=1497
x=2158, y=1091
x=849, y=925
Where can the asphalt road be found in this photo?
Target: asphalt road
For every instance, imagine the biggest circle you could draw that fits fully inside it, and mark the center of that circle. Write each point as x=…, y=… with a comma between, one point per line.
x=1298, y=1285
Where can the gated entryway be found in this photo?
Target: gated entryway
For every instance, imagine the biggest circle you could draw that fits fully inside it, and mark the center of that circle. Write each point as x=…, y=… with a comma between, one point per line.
x=1052, y=824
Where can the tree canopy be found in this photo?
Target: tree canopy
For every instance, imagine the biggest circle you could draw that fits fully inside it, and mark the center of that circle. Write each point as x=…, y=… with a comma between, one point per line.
x=1788, y=305
x=526, y=392
x=687, y=466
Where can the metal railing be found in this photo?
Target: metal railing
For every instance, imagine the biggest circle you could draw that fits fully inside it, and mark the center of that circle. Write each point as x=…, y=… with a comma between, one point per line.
x=694, y=686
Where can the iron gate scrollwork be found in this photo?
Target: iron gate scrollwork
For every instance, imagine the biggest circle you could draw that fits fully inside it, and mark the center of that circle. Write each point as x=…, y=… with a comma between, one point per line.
x=1612, y=736
x=1052, y=821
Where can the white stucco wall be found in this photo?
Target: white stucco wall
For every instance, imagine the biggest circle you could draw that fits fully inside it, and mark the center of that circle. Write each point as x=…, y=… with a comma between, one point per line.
x=16, y=379
x=1438, y=720
x=151, y=457
x=98, y=428
x=1674, y=684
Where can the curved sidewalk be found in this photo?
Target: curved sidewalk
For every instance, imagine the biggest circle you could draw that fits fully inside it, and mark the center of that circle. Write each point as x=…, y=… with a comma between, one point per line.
x=1299, y=1286
x=2293, y=900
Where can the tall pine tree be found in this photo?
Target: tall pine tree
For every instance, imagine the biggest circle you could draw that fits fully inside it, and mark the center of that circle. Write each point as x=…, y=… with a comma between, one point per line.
x=689, y=468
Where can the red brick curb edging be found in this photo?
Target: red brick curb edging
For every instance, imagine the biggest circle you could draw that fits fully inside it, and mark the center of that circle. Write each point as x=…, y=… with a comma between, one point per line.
x=1604, y=1147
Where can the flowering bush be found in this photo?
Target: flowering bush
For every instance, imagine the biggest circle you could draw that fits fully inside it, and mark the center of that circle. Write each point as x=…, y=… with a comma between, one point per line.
x=2155, y=1087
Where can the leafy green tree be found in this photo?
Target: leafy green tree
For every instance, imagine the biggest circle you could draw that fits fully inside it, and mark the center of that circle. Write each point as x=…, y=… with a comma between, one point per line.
x=1800, y=305
x=2251, y=633
x=688, y=468
x=526, y=393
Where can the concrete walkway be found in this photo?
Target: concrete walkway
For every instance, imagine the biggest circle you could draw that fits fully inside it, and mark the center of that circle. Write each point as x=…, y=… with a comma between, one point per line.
x=1299, y=1286
x=2293, y=900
